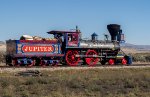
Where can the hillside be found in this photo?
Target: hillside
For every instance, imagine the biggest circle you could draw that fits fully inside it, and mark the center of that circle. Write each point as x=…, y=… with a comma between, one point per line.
x=131, y=48
x=138, y=47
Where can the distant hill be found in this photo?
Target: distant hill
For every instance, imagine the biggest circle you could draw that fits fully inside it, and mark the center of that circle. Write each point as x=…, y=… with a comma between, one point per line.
x=138, y=47
x=131, y=48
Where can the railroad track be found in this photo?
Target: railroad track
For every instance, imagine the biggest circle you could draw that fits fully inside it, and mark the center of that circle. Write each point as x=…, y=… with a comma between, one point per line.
x=53, y=68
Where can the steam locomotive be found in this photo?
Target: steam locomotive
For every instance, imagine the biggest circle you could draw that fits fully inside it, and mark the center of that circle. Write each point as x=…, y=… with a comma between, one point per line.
x=67, y=47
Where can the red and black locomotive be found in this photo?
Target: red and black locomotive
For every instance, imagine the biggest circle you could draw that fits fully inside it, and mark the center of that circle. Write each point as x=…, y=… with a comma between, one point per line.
x=67, y=47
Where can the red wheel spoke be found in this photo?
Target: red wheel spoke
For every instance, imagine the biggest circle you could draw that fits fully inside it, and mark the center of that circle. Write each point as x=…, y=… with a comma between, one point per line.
x=32, y=63
x=71, y=59
x=43, y=64
x=91, y=61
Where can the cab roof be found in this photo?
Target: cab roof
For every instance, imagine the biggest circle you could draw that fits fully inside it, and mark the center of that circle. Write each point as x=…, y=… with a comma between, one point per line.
x=62, y=32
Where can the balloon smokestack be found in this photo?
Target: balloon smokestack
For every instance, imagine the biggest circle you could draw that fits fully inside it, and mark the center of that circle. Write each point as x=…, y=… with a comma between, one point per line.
x=113, y=30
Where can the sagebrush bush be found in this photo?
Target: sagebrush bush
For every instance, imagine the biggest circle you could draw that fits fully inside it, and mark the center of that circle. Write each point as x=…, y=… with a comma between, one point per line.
x=141, y=57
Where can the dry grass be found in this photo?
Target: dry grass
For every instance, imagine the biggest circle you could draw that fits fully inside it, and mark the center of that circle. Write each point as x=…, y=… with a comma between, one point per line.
x=141, y=57
x=78, y=83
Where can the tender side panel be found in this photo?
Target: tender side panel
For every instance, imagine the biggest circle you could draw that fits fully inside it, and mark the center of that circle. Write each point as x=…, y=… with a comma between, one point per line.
x=35, y=48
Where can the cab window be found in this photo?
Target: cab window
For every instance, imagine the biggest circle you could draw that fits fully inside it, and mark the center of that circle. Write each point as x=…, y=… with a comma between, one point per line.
x=72, y=37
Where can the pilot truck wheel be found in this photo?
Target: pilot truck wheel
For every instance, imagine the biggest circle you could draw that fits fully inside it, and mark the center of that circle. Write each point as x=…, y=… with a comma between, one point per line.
x=111, y=61
x=124, y=61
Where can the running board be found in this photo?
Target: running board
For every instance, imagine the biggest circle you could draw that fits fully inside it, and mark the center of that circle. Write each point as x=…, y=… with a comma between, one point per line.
x=89, y=56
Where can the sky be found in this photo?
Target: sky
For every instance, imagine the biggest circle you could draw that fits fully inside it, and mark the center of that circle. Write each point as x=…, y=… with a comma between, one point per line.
x=36, y=17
